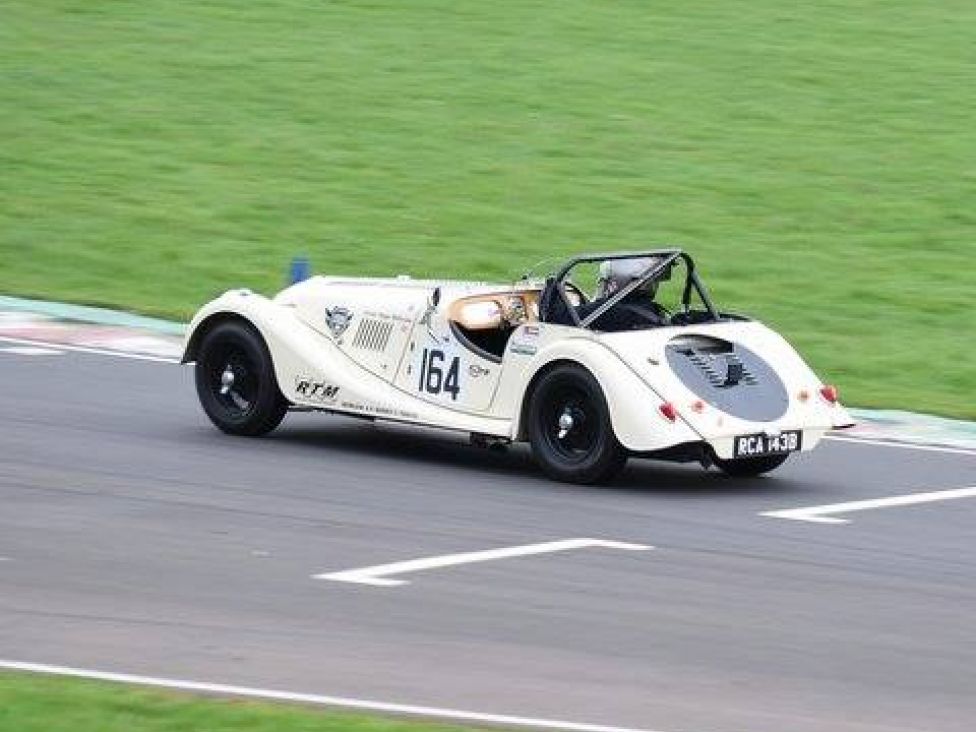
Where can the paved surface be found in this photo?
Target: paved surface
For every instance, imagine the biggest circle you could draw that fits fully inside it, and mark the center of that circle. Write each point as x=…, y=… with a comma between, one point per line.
x=139, y=539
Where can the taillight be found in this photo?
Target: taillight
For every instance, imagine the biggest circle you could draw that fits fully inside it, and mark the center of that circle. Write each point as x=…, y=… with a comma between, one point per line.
x=829, y=393
x=669, y=411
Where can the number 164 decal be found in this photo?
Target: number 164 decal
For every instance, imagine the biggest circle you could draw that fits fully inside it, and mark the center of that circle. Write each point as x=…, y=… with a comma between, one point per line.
x=435, y=378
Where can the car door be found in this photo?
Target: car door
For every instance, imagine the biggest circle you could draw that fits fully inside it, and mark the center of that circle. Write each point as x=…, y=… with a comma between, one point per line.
x=439, y=368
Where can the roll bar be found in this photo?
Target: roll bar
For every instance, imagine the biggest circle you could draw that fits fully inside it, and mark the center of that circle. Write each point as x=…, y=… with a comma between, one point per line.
x=665, y=258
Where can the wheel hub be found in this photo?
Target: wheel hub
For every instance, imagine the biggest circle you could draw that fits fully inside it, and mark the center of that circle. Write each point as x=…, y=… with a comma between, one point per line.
x=227, y=380
x=566, y=424
x=233, y=385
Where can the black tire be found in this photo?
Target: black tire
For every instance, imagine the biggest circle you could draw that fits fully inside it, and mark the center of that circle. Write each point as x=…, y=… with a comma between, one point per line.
x=248, y=402
x=587, y=452
x=750, y=467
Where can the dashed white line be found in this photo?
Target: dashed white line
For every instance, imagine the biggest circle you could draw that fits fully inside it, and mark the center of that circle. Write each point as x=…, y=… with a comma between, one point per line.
x=377, y=575
x=825, y=514
x=316, y=699
x=88, y=349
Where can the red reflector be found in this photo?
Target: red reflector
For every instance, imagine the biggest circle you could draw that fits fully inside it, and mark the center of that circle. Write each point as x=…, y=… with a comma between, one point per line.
x=669, y=412
x=829, y=392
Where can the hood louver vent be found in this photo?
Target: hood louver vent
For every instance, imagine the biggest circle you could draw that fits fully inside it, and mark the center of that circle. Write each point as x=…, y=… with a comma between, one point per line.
x=373, y=335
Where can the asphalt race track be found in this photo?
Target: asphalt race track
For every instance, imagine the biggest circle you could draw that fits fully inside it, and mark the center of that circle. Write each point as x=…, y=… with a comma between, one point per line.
x=136, y=538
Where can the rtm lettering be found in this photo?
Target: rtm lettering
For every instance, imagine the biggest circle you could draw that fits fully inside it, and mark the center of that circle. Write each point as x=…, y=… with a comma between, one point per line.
x=316, y=390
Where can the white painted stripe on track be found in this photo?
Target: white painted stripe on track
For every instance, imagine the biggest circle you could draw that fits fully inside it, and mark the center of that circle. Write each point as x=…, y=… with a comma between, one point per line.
x=89, y=350
x=377, y=575
x=316, y=699
x=31, y=351
x=903, y=445
x=824, y=514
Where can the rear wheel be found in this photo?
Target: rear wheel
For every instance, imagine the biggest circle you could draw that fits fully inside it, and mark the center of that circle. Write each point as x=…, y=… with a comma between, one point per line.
x=236, y=383
x=569, y=428
x=750, y=467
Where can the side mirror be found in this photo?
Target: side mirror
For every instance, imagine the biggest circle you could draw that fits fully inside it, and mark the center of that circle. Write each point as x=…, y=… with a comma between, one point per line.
x=435, y=298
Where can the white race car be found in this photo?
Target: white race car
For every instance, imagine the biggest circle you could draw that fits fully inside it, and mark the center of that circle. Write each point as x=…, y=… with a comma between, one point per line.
x=643, y=365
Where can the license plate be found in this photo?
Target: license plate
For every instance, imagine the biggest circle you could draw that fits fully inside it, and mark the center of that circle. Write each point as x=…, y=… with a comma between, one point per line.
x=763, y=444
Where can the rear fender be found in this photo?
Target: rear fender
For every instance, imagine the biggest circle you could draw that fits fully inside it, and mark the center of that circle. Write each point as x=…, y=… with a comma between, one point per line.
x=634, y=405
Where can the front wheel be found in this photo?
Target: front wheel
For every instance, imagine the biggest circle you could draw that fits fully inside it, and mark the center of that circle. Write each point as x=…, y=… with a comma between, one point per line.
x=750, y=467
x=569, y=428
x=236, y=382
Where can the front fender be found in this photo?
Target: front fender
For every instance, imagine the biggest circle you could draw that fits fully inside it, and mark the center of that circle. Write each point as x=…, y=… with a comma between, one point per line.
x=286, y=336
x=634, y=405
x=258, y=310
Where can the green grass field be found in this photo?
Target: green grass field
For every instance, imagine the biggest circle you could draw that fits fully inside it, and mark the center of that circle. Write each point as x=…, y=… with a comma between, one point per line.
x=46, y=704
x=818, y=158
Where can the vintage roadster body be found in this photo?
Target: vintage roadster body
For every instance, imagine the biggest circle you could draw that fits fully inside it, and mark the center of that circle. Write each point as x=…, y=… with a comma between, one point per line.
x=588, y=380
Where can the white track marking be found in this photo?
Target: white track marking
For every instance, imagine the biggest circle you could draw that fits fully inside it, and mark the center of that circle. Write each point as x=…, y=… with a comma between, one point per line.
x=376, y=576
x=903, y=445
x=317, y=699
x=823, y=514
x=30, y=351
x=88, y=349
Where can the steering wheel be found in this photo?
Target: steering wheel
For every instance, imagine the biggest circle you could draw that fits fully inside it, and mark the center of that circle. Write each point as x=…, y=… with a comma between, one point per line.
x=663, y=315
x=514, y=311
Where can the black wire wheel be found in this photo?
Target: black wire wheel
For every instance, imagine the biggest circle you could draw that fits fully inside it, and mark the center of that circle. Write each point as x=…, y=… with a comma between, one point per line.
x=569, y=427
x=236, y=382
x=750, y=467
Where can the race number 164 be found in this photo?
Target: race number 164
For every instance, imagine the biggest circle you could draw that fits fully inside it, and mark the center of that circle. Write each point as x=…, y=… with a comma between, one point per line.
x=434, y=379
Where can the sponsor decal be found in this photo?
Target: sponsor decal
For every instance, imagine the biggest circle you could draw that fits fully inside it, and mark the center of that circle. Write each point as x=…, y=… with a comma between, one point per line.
x=379, y=410
x=531, y=331
x=338, y=319
x=523, y=349
x=476, y=370
x=383, y=315
x=316, y=391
